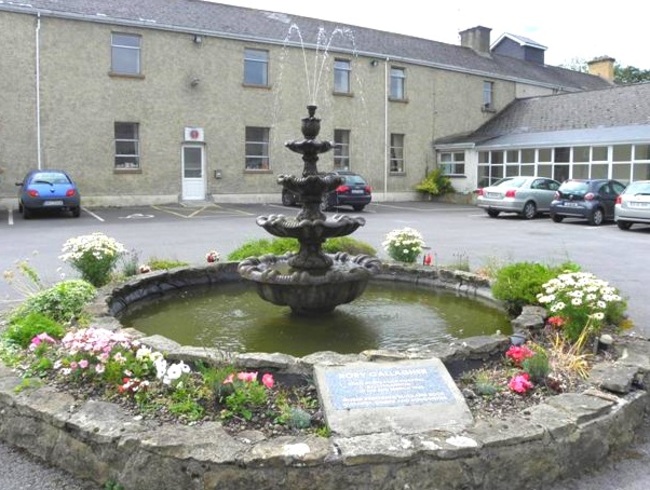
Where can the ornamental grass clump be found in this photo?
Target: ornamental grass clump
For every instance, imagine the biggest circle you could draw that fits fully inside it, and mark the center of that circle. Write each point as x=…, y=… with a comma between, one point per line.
x=94, y=256
x=404, y=245
x=582, y=304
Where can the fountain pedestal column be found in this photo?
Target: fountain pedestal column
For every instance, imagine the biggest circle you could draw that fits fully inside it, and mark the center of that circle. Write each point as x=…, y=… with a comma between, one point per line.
x=310, y=281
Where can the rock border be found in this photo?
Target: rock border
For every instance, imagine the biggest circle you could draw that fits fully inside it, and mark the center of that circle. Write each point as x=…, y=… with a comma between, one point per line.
x=101, y=442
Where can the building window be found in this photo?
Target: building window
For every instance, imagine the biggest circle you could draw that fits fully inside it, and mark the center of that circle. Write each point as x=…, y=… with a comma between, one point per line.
x=257, y=148
x=397, y=153
x=397, y=83
x=341, y=76
x=488, y=95
x=256, y=67
x=453, y=163
x=342, y=149
x=125, y=54
x=127, y=145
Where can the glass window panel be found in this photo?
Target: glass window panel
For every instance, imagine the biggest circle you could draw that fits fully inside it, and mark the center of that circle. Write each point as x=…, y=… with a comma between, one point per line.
x=192, y=163
x=342, y=76
x=497, y=173
x=545, y=171
x=127, y=145
x=257, y=148
x=396, y=152
x=561, y=172
x=622, y=153
x=581, y=154
x=622, y=172
x=397, y=83
x=256, y=67
x=527, y=170
x=488, y=92
x=512, y=156
x=483, y=176
x=125, y=54
x=580, y=171
x=497, y=157
x=528, y=156
x=544, y=155
x=483, y=157
x=512, y=170
x=599, y=154
x=342, y=148
x=562, y=154
x=642, y=152
x=641, y=171
x=599, y=170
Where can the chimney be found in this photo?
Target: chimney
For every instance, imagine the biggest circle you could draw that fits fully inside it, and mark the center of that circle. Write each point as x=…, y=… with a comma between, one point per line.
x=477, y=38
x=603, y=67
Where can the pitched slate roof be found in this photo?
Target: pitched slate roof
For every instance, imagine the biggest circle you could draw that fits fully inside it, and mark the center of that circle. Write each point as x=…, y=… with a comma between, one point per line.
x=621, y=112
x=213, y=19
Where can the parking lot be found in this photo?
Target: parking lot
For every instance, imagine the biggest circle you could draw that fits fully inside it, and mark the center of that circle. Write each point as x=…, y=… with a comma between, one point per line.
x=453, y=233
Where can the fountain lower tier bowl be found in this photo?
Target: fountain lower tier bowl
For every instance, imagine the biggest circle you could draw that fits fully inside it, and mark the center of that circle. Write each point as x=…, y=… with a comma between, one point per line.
x=308, y=229
x=309, y=292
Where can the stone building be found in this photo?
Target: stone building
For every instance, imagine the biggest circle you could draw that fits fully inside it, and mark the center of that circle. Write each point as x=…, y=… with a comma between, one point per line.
x=165, y=100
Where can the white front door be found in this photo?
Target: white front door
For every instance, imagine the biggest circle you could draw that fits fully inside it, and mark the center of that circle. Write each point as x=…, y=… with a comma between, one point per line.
x=193, y=173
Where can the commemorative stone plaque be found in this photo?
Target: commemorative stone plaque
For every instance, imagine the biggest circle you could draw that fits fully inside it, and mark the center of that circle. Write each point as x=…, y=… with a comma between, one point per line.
x=403, y=397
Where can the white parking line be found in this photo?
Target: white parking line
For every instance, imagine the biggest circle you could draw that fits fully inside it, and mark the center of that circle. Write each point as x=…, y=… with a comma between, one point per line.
x=98, y=218
x=10, y=217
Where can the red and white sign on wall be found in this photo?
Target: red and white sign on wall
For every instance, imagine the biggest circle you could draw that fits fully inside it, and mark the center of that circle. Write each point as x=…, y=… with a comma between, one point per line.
x=194, y=134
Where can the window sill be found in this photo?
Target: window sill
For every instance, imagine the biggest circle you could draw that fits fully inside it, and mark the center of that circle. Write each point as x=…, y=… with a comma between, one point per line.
x=393, y=99
x=252, y=171
x=254, y=85
x=134, y=76
x=127, y=170
x=489, y=109
x=397, y=174
x=343, y=94
x=455, y=176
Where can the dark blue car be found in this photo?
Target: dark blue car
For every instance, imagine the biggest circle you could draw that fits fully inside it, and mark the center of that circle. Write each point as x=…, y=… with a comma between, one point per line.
x=48, y=190
x=590, y=199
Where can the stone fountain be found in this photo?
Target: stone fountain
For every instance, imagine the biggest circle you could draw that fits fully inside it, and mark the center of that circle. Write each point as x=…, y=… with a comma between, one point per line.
x=310, y=281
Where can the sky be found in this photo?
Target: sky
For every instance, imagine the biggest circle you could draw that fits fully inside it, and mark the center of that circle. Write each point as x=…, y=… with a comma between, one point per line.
x=570, y=30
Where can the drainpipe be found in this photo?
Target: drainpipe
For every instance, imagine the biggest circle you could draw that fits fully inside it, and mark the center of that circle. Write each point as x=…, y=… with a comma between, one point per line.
x=386, y=136
x=38, y=89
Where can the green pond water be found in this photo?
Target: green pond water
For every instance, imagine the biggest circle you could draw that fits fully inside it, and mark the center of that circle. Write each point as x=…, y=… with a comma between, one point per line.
x=387, y=316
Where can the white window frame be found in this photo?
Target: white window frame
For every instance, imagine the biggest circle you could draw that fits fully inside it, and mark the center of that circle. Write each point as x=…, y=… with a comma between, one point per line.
x=452, y=162
x=342, y=149
x=127, y=150
x=256, y=67
x=125, y=53
x=257, y=151
x=397, y=83
x=342, y=71
x=397, y=153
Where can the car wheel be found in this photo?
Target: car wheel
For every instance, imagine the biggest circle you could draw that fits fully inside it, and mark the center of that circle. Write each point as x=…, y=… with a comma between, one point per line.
x=358, y=207
x=27, y=213
x=624, y=225
x=597, y=217
x=76, y=212
x=288, y=198
x=530, y=210
x=557, y=218
x=20, y=207
x=492, y=213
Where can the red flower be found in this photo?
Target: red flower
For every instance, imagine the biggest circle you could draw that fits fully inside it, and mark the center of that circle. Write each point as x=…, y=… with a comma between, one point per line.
x=518, y=353
x=556, y=321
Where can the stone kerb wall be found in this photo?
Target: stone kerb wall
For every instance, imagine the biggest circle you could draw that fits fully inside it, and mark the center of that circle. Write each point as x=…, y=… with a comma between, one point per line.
x=101, y=442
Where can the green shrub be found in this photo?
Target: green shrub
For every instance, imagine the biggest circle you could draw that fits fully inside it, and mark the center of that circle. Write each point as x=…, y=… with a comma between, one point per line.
x=62, y=302
x=348, y=245
x=156, y=264
x=280, y=246
x=24, y=329
x=518, y=284
x=436, y=183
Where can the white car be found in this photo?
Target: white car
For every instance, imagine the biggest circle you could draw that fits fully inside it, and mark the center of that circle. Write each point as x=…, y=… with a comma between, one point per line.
x=633, y=205
x=526, y=196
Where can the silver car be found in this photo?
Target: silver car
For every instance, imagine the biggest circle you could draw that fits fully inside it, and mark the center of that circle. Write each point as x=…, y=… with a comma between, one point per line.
x=633, y=205
x=526, y=196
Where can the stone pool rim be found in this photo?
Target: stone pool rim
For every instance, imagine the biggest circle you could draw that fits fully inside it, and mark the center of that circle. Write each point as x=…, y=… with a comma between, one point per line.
x=99, y=441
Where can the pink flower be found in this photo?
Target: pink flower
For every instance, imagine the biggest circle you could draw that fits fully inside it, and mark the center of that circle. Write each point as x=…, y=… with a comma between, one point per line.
x=229, y=379
x=520, y=383
x=39, y=339
x=518, y=353
x=83, y=364
x=74, y=365
x=268, y=381
x=247, y=377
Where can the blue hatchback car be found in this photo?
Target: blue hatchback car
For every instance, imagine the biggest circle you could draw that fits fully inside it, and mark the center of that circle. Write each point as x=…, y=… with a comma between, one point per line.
x=590, y=199
x=43, y=190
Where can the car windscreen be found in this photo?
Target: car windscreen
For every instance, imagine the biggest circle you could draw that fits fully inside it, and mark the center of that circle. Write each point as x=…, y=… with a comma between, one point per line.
x=576, y=188
x=636, y=188
x=49, y=178
x=354, y=180
x=510, y=183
